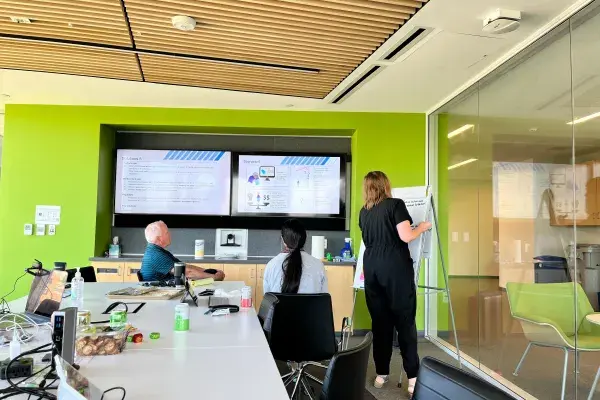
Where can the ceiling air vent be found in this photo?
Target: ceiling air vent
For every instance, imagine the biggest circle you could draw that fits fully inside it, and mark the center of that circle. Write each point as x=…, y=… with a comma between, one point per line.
x=357, y=83
x=414, y=37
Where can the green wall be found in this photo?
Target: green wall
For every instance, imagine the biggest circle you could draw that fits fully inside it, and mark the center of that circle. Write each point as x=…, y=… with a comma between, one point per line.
x=401, y=155
x=57, y=155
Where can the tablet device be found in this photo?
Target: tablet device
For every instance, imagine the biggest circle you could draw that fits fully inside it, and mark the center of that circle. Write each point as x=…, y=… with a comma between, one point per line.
x=214, y=301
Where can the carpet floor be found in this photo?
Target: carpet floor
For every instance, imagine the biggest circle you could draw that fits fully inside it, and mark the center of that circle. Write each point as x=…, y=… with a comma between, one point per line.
x=389, y=391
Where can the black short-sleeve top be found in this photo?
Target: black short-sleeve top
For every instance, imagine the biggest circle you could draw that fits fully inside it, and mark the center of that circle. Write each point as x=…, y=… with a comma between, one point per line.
x=378, y=225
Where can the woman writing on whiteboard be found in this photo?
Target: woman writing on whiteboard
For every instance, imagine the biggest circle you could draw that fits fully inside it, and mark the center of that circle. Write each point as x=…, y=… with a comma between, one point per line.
x=389, y=276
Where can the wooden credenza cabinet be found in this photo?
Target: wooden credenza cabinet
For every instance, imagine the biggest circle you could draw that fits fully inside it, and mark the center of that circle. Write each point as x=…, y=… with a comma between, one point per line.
x=116, y=271
x=339, y=277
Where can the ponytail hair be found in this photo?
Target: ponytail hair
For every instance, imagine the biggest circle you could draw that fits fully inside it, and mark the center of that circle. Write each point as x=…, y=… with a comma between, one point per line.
x=294, y=238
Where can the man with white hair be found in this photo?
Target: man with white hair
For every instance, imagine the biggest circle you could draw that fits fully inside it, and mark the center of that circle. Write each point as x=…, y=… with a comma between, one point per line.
x=158, y=262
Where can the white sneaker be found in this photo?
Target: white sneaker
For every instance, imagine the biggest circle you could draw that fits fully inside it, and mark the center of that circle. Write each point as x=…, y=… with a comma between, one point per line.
x=381, y=380
x=411, y=387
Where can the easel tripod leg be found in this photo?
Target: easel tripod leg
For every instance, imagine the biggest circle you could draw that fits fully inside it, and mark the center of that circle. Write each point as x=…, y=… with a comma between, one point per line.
x=439, y=242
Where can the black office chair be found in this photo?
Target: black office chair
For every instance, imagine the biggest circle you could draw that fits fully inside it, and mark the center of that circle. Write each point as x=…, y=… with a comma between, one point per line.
x=87, y=273
x=347, y=373
x=299, y=329
x=440, y=381
x=265, y=312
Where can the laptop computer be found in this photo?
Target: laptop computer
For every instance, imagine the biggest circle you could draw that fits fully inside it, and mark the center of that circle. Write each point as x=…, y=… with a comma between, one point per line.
x=45, y=296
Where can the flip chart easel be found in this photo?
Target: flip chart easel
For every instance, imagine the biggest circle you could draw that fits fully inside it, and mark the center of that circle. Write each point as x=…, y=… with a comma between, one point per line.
x=421, y=207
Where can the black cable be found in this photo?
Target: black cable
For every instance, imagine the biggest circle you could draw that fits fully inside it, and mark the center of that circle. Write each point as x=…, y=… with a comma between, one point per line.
x=25, y=378
x=4, y=307
x=3, y=301
x=115, y=388
x=42, y=393
x=10, y=395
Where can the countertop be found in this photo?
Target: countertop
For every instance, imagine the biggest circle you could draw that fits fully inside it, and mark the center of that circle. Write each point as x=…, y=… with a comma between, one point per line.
x=213, y=260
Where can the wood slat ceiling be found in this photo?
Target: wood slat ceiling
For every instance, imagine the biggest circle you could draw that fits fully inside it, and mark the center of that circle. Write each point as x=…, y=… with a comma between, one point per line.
x=316, y=43
x=48, y=57
x=96, y=21
x=161, y=69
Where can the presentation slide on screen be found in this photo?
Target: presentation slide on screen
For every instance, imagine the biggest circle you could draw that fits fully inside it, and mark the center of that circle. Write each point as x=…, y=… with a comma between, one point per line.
x=173, y=182
x=288, y=185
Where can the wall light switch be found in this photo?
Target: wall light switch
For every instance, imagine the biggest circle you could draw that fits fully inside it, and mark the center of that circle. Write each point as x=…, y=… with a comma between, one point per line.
x=466, y=236
x=455, y=237
x=40, y=229
x=51, y=230
x=28, y=229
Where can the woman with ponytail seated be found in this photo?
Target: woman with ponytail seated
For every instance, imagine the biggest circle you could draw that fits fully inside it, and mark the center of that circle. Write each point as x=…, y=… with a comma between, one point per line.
x=294, y=271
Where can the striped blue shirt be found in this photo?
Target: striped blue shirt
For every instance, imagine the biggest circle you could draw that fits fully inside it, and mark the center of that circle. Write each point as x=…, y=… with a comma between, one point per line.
x=157, y=263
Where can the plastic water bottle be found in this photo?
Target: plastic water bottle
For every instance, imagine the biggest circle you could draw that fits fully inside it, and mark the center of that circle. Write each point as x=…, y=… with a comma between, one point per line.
x=77, y=290
x=346, y=253
x=15, y=345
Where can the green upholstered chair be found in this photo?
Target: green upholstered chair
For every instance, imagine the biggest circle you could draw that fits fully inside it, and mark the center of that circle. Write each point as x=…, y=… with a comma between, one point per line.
x=554, y=315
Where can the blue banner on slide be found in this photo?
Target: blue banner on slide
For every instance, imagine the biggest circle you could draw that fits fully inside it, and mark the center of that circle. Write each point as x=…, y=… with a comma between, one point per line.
x=190, y=155
x=305, y=160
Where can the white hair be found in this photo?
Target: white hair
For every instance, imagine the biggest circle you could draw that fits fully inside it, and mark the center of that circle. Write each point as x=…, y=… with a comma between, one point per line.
x=154, y=230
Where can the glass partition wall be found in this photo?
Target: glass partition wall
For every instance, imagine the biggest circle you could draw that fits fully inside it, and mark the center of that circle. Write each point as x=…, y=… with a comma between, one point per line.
x=515, y=165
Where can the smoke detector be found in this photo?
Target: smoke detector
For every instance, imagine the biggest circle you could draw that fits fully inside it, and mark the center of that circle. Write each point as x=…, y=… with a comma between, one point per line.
x=183, y=23
x=20, y=20
x=502, y=21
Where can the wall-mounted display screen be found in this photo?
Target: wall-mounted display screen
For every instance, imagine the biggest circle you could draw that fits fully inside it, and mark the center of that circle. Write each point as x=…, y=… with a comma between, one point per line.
x=184, y=182
x=309, y=185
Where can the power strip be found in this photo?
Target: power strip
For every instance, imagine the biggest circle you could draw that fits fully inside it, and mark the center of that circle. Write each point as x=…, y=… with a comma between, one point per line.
x=20, y=369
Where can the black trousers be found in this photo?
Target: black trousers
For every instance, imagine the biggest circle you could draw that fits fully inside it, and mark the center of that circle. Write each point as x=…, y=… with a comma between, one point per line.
x=392, y=302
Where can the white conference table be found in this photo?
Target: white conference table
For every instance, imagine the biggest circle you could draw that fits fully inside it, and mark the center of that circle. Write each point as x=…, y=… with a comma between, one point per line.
x=224, y=357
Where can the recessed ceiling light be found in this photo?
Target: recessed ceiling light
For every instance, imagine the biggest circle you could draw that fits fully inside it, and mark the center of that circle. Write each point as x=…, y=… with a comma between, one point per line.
x=460, y=130
x=183, y=23
x=584, y=119
x=460, y=164
x=20, y=20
